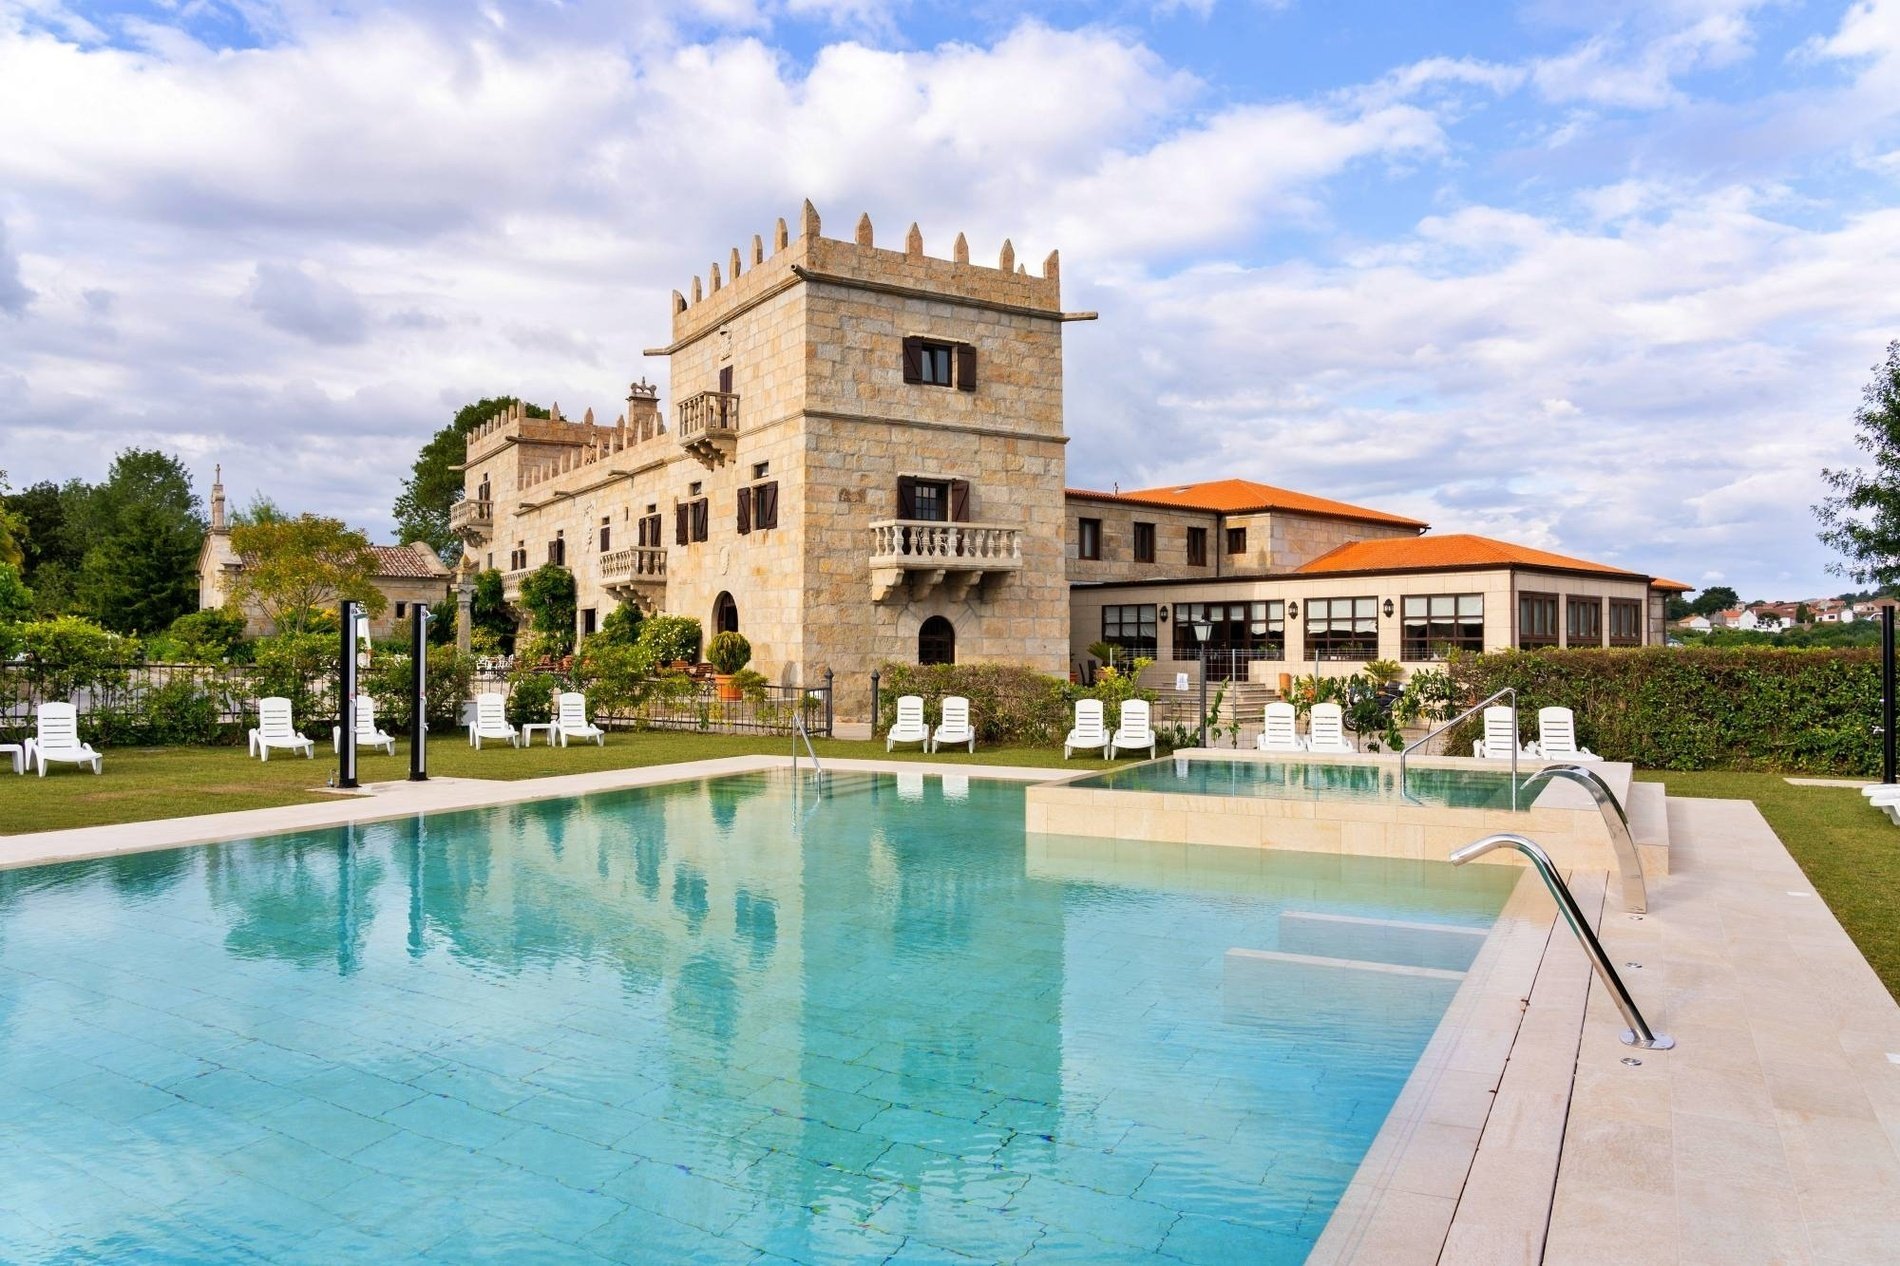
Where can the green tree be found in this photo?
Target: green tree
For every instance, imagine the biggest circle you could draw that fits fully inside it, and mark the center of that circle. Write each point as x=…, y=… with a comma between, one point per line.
x=435, y=481
x=12, y=529
x=52, y=549
x=144, y=529
x=260, y=509
x=1802, y=615
x=547, y=594
x=490, y=617
x=1715, y=598
x=1675, y=607
x=296, y=568
x=16, y=600
x=1861, y=521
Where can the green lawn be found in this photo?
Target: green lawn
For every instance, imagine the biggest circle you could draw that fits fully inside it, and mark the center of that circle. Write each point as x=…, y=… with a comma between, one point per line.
x=1850, y=853
x=139, y=785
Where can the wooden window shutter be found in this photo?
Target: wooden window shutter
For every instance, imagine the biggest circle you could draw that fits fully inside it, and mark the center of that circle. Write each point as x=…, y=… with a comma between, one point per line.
x=913, y=360
x=959, y=501
x=966, y=367
x=725, y=379
x=745, y=511
x=702, y=518
x=765, y=505
x=906, y=497
x=680, y=523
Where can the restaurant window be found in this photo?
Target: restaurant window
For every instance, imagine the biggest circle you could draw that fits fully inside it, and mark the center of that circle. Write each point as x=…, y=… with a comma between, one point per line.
x=1437, y=624
x=1236, y=540
x=1088, y=538
x=1626, y=622
x=1536, y=620
x=1144, y=542
x=1132, y=628
x=1236, y=632
x=1342, y=628
x=1583, y=622
x=1197, y=547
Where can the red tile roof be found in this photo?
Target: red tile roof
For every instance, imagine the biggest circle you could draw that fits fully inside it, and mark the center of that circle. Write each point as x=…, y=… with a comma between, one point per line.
x=1244, y=496
x=1424, y=553
x=1670, y=586
x=400, y=560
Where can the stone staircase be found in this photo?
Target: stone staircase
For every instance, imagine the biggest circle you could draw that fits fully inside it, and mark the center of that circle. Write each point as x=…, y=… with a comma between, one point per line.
x=1648, y=810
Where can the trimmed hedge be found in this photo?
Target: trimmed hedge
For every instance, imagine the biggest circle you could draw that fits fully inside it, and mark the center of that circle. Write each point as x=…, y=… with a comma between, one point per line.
x=1009, y=703
x=1743, y=708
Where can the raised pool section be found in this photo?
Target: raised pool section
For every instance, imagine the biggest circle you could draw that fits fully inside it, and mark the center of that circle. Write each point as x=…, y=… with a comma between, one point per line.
x=736, y=1020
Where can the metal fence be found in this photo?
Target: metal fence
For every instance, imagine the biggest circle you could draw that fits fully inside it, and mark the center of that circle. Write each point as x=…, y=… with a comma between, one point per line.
x=124, y=700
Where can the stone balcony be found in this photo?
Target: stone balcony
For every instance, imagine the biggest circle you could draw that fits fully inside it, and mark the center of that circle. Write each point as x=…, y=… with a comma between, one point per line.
x=920, y=555
x=472, y=519
x=637, y=574
x=709, y=426
x=511, y=583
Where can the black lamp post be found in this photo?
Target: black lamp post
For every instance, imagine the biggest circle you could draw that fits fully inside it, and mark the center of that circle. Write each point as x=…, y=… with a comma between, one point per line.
x=1202, y=629
x=419, y=695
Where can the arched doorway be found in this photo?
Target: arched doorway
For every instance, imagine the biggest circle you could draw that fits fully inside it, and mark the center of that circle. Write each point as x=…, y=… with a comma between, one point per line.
x=937, y=642
x=725, y=614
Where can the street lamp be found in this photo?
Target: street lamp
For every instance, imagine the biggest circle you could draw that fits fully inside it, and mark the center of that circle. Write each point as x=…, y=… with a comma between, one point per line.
x=1202, y=629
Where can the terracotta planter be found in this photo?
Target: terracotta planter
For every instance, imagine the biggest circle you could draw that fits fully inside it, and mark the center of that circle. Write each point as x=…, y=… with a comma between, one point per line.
x=728, y=693
x=1286, y=684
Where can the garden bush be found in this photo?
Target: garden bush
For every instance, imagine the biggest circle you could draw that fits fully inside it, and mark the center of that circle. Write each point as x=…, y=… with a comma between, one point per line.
x=1008, y=702
x=1742, y=708
x=210, y=636
x=300, y=667
x=531, y=697
x=616, y=677
x=73, y=654
x=448, y=684
x=670, y=638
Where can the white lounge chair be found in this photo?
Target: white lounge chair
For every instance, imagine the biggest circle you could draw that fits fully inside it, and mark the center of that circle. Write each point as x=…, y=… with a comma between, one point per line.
x=491, y=722
x=1557, y=737
x=58, y=739
x=954, y=726
x=1279, y=730
x=1089, y=733
x=367, y=735
x=910, y=727
x=277, y=728
x=1326, y=731
x=1134, y=733
x=570, y=720
x=1500, y=735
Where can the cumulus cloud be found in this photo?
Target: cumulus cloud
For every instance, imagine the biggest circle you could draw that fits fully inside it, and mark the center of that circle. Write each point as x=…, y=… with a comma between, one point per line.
x=289, y=298
x=14, y=296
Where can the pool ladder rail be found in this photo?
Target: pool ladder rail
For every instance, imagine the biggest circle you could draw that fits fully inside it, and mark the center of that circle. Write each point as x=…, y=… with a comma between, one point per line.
x=1629, y=863
x=1638, y=1033
x=800, y=732
x=1405, y=791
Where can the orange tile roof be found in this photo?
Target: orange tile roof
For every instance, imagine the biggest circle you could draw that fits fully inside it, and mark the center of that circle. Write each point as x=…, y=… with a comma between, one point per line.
x=1670, y=586
x=1244, y=496
x=1418, y=553
x=400, y=560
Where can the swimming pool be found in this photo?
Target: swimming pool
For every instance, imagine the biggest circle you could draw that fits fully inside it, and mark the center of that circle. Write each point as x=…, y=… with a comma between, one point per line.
x=1295, y=779
x=728, y=1020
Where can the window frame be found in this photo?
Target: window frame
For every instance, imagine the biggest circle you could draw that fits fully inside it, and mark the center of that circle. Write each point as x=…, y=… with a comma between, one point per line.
x=1528, y=641
x=1632, y=608
x=1143, y=618
x=1197, y=547
x=1144, y=542
x=1445, y=630
x=1324, y=642
x=1581, y=604
x=1232, y=628
x=1088, y=539
x=1236, y=541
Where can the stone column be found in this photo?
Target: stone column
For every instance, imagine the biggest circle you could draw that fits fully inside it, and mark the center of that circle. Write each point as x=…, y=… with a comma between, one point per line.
x=464, y=615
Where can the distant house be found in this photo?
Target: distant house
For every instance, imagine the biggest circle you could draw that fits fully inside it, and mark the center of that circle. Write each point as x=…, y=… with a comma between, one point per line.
x=407, y=575
x=1699, y=623
x=1831, y=611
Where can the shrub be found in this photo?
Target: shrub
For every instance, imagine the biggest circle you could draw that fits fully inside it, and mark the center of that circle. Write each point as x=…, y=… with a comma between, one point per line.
x=616, y=677
x=1009, y=703
x=547, y=594
x=182, y=710
x=621, y=627
x=728, y=652
x=670, y=638
x=1704, y=708
x=451, y=676
x=531, y=698
x=301, y=667
x=750, y=684
x=209, y=636
x=1115, y=686
x=73, y=654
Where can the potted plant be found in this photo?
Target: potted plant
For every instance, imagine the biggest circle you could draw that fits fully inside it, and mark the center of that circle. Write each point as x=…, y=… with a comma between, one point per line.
x=728, y=652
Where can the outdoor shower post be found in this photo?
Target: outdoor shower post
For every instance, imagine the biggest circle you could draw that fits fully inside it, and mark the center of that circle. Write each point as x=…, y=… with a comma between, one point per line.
x=874, y=702
x=1887, y=736
x=829, y=714
x=346, y=698
x=419, y=696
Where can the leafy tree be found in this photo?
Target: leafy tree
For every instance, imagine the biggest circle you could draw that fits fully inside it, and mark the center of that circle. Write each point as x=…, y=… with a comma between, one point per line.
x=12, y=529
x=1713, y=599
x=260, y=509
x=1675, y=607
x=1802, y=615
x=208, y=636
x=295, y=568
x=434, y=484
x=489, y=612
x=621, y=627
x=51, y=550
x=144, y=528
x=547, y=593
x=16, y=600
x=1861, y=520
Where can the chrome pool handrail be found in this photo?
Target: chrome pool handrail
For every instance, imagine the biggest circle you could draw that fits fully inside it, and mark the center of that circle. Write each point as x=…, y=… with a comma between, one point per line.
x=1409, y=748
x=800, y=732
x=1638, y=1033
x=1628, y=862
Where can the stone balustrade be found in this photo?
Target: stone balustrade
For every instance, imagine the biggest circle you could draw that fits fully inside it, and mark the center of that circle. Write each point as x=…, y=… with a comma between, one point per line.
x=635, y=563
x=472, y=518
x=919, y=555
x=709, y=425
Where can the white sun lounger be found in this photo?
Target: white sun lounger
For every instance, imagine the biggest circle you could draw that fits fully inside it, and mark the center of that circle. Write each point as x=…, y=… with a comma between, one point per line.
x=1326, y=731
x=910, y=727
x=1500, y=735
x=277, y=728
x=1089, y=733
x=58, y=738
x=1279, y=729
x=367, y=735
x=1557, y=737
x=954, y=727
x=570, y=720
x=1134, y=733
x=491, y=722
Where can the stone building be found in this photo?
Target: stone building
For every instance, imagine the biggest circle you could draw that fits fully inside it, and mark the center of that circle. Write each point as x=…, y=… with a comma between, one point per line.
x=407, y=575
x=864, y=462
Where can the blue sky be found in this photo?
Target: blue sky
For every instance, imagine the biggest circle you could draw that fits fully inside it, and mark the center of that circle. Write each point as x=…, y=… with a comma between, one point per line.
x=1606, y=278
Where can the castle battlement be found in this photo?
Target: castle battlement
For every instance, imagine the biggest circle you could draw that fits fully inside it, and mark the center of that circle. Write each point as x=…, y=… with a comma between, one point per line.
x=812, y=257
x=573, y=444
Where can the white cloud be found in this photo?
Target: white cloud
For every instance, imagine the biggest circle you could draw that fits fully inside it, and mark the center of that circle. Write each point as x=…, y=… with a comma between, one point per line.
x=289, y=298
x=14, y=296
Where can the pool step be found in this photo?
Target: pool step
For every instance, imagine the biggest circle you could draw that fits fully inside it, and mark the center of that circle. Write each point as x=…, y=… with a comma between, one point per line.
x=1322, y=997
x=1433, y=946
x=1648, y=810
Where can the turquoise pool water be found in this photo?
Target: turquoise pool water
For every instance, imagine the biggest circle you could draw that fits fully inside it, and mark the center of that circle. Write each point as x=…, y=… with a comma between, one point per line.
x=725, y=1021
x=1310, y=779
